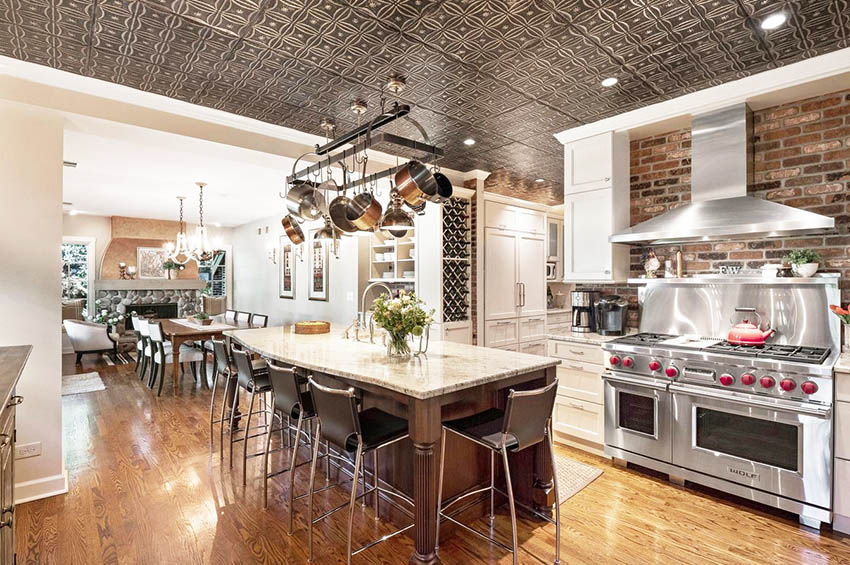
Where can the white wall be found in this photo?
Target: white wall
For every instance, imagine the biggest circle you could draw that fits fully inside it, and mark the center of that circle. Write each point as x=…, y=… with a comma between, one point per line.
x=255, y=278
x=31, y=210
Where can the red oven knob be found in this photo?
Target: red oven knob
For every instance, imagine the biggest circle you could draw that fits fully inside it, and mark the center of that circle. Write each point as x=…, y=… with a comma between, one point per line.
x=654, y=366
x=787, y=385
x=628, y=362
x=767, y=382
x=809, y=387
x=672, y=372
x=614, y=360
x=748, y=379
x=727, y=380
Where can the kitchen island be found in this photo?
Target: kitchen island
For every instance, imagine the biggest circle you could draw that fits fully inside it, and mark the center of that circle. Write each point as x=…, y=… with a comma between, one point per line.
x=452, y=380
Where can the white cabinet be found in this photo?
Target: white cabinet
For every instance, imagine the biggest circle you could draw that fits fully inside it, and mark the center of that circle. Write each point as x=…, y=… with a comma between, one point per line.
x=596, y=204
x=499, y=333
x=530, y=221
x=531, y=274
x=501, y=291
x=533, y=347
x=555, y=239
x=514, y=218
x=588, y=163
x=532, y=328
x=841, y=478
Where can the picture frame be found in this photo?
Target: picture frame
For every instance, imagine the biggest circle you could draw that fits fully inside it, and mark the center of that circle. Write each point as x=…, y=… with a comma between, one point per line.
x=286, y=276
x=149, y=261
x=317, y=262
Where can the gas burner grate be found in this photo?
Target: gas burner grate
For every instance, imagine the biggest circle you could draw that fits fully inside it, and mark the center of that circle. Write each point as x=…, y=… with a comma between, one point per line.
x=795, y=353
x=644, y=338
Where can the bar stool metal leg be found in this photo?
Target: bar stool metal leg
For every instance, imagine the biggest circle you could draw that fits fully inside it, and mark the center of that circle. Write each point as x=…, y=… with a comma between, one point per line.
x=375, y=481
x=315, y=441
x=293, y=460
x=440, y=487
x=357, y=462
x=492, y=487
x=233, y=419
x=247, y=435
x=222, y=419
x=510, y=496
x=212, y=409
x=557, y=497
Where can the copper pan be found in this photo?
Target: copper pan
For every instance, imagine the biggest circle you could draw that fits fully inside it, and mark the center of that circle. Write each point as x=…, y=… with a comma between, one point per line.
x=416, y=183
x=292, y=229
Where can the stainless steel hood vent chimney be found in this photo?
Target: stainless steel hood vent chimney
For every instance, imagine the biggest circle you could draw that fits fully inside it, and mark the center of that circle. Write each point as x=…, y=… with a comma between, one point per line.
x=721, y=170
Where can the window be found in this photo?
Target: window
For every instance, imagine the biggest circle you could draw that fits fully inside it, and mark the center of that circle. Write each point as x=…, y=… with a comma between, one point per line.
x=214, y=272
x=75, y=271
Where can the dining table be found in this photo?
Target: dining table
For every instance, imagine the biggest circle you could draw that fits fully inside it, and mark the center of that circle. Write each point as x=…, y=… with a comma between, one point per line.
x=181, y=330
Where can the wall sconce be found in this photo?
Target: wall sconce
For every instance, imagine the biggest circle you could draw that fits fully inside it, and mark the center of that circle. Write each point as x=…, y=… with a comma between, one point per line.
x=273, y=255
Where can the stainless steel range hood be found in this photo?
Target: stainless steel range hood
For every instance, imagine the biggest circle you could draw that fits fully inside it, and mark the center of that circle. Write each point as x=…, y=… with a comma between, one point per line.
x=721, y=170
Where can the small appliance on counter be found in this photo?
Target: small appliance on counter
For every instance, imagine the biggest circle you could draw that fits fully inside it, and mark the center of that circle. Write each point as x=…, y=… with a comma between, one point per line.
x=583, y=317
x=610, y=313
x=551, y=270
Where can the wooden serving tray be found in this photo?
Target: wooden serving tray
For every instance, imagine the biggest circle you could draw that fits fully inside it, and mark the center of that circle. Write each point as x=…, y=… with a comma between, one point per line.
x=312, y=327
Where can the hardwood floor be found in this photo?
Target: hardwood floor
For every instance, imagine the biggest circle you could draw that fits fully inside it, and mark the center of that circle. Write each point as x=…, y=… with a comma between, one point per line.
x=144, y=488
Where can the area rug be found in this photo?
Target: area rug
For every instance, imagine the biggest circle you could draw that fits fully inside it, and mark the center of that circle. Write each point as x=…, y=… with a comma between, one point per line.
x=573, y=476
x=79, y=384
x=123, y=358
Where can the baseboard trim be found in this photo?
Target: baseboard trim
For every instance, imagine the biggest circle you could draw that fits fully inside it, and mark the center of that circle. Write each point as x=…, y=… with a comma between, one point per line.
x=41, y=488
x=841, y=523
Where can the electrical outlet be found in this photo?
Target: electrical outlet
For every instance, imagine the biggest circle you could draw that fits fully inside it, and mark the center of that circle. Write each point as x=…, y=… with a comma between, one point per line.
x=25, y=450
x=349, y=296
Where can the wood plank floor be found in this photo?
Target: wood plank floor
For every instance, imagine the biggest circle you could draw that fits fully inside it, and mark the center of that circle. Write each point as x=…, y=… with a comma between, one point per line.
x=145, y=489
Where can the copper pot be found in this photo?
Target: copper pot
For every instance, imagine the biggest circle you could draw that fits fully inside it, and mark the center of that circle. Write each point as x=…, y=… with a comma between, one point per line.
x=337, y=210
x=416, y=183
x=292, y=229
x=364, y=211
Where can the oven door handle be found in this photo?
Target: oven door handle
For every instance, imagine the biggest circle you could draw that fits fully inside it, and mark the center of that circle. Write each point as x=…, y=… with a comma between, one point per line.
x=627, y=380
x=780, y=405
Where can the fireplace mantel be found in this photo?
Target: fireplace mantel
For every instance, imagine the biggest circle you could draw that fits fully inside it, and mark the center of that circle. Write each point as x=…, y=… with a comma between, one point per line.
x=150, y=284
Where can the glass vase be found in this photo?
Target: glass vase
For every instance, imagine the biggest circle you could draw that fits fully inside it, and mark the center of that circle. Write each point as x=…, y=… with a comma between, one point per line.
x=397, y=346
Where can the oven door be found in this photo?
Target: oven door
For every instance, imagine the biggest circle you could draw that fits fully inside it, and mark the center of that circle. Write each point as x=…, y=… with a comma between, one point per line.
x=638, y=413
x=774, y=445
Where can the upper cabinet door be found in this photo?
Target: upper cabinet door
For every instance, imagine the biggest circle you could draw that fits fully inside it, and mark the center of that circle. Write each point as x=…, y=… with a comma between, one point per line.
x=531, y=254
x=587, y=225
x=588, y=163
x=501, y=288
x=555, y=239
x=501, y=216
x=530, y=221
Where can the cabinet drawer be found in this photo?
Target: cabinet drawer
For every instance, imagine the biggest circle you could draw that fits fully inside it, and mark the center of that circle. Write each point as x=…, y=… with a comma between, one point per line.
x=842, y=386
x=842, y=493
x=583, y=420
x=534, y=347
x=842, y=430
x=556, y=319
x=532, y=328
x=512, y=347
x=585, y=353
x=500, y=332
x=582, y=381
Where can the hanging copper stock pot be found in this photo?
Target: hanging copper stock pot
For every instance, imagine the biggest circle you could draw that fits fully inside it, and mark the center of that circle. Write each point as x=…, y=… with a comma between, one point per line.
x=416, y=183
x=364, y=210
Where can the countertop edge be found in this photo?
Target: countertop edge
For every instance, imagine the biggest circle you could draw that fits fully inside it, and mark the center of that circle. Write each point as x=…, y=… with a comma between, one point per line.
x=17, y=371
x=550, y=362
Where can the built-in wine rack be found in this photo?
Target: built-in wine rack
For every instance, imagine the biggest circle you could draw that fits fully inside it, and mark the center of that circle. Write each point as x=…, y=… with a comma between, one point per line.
x=456, y=260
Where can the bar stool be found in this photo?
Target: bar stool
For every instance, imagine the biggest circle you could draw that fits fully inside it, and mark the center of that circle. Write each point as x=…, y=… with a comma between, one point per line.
x=357, y=432
x=526, y=421
x=223, y=368
x=162, y=354
x=255, y=381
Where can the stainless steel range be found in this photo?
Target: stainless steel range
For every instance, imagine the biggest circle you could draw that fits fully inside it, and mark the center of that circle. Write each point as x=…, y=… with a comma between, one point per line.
x=754, y=421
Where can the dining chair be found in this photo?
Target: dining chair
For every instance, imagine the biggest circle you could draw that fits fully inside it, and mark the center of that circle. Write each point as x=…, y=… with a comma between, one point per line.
x=259, y=320
x=339, y=421
x=147, y=350
x=140, y=344
x=162, y=354
x=525, y=422
x=253, y=379
x=230, y=316
x=243, y=318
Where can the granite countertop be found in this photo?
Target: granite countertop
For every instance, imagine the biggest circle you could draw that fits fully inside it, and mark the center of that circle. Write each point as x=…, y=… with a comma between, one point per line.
x=12, y=361
x=843, y=363
x=564, y=310
x=447, y=367
x=583, y=337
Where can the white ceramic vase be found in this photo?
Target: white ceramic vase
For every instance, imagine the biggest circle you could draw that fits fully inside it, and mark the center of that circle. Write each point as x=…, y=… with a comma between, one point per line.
x=805, y=269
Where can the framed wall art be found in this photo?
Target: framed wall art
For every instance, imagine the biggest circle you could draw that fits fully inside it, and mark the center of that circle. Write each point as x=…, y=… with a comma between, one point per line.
x=318, y=268
x=287, y=268
x=150, y=261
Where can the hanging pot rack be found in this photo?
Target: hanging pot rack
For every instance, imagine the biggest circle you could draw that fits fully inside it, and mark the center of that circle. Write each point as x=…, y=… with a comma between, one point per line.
x=370, y=138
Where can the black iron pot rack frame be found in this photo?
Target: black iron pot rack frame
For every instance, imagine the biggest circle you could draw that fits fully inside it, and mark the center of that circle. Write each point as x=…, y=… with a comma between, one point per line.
x=431, y=152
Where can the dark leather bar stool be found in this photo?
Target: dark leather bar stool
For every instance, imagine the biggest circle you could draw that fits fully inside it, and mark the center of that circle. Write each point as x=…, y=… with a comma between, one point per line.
x=525, y=422
x=353, y=432
x=256, y=382
x=222, y=369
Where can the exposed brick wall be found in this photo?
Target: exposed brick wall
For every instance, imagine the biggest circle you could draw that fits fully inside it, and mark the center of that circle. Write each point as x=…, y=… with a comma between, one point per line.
x=506, y=183
x=802, y=159
x=473, y=260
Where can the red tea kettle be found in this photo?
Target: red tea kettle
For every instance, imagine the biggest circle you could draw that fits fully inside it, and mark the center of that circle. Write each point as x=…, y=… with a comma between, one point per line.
x=747, y=333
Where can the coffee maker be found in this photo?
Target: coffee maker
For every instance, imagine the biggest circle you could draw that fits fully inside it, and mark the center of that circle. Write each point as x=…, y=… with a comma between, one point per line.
x=583, y=314
x=610, y=314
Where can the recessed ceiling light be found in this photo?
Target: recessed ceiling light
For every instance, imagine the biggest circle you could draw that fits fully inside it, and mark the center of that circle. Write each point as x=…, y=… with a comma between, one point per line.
x=539, y=180
x=773, y=21
x=469, y=141
x=610, y=81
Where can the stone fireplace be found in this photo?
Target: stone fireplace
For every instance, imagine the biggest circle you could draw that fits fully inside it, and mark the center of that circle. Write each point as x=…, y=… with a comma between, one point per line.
x=164, y=298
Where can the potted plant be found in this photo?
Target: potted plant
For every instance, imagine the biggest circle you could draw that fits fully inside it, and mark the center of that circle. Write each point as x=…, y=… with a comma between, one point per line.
x=169, y=266
x=400, y=317
x=104, y=317
x=843, y=315
x=202, y=318
x=804, y=262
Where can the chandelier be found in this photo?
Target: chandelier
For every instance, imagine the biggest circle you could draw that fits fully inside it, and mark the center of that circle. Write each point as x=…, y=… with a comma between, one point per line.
x=179, y=252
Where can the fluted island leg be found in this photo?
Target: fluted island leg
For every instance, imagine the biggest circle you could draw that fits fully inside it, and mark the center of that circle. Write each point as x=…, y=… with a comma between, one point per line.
x=424, y=428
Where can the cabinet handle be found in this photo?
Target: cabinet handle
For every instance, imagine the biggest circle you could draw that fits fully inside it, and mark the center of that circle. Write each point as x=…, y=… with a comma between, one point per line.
x=15, y=400
x=7, y=439
x=607, y=179
x=7, y=522
x=504, y=323
x=576, y=367
x=574, y=352
x=578, y=407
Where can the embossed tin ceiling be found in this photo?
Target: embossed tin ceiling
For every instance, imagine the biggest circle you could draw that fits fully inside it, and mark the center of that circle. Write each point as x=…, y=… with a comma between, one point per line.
x=508, y=73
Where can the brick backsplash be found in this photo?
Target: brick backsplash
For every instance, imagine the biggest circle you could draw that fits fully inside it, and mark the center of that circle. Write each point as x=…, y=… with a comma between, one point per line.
x=801, y=159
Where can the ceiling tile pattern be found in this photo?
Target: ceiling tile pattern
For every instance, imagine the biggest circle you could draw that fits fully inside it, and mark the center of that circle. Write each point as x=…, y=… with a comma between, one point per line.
x=508, y=73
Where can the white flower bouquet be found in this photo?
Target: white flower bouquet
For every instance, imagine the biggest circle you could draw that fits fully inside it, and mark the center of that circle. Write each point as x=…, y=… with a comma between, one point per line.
x=400, y=317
